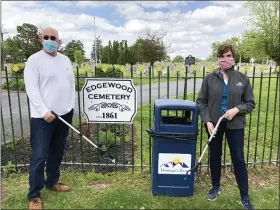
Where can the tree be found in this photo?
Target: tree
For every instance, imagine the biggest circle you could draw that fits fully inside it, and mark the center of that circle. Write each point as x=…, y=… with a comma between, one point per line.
x=29, y=39
x=178, y=59
x=252, y=47
x=71, y=47
x=79, y=58
x=122, y=57
x=13, y=50
x=125, y=53
x=131, y=55
x=110, y=53
x=264, y=18
x=198, y=60
x=138, y=50
x=98, y=49
x=152, y=48
x=104, y=54
x=115, y=52
x=167, y=59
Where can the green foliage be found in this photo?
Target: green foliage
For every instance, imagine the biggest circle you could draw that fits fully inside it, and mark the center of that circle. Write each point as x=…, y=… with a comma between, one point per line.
x=9, y=168
x=108, y=138
x=110, y=53
x=84, y=71
x=78, y=57
x=123, y=53
x=167, y=59
x=71, y=47
x=264, y=17
x=13, y=49
x=132, y=55
x=105, y=54
x=150, y=48
x=262, y=41
x=25, y=43
x=14, y=84
x=18, y=69
x=115, y=52
x=178, y=59
x=253, y=46
x=111, y=71
x=29, y=39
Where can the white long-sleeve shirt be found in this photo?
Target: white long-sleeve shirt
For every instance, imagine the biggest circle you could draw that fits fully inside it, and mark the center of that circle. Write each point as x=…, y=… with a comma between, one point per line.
x=49, y=83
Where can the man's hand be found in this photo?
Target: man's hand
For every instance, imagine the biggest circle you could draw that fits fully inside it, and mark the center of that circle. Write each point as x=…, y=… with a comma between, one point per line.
x=49, y=117
x=210, y=127
x=231, y=113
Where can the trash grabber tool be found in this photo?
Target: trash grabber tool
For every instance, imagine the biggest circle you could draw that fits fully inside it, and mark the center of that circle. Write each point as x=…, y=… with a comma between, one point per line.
x=103, y=150
x=212, y=135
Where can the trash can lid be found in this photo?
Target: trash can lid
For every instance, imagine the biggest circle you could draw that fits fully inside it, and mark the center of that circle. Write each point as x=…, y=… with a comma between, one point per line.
x=174, y=103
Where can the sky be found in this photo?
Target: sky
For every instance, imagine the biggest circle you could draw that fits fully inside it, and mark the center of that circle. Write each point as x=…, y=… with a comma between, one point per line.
x=190, y=26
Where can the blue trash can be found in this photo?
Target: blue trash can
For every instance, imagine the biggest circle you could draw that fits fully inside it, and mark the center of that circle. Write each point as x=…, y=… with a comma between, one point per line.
x=174, y=147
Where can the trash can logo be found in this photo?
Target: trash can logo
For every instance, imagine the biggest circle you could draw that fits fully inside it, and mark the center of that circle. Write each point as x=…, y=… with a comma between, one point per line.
x=174, y=163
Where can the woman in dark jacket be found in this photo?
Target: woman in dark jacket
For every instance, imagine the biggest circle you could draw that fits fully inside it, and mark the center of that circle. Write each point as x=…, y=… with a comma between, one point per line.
x=228, y=93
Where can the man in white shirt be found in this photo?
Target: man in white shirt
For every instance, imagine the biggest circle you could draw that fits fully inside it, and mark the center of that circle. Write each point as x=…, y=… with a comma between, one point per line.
x=50, y=86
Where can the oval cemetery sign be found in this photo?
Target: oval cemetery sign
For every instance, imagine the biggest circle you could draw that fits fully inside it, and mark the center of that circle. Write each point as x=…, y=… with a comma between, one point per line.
x=109, y=100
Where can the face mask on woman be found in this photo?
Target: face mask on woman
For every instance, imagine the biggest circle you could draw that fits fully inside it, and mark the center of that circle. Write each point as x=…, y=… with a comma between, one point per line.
x=226, y=63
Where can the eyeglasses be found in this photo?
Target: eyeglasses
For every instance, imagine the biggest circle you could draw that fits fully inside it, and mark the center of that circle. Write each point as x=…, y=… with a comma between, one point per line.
x=46, y=37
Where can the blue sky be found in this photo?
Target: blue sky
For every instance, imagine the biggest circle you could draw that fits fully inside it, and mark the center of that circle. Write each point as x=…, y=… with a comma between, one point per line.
x=191, y=26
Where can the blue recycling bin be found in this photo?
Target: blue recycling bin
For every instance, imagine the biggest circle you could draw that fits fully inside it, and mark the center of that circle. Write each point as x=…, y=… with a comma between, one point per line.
x=174, y=147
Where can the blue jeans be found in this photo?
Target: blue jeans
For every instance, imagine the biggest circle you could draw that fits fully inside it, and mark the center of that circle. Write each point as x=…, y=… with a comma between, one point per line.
x=48, y=143
x=235, y=139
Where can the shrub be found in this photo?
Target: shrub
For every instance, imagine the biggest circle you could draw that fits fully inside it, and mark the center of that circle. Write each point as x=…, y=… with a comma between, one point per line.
x=84, y=71
x=18, y=69
x=105, y=70
x=13, y=84
x=111, y=138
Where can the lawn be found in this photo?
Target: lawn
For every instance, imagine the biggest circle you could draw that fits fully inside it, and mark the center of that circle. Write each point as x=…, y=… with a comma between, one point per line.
x=133, y=191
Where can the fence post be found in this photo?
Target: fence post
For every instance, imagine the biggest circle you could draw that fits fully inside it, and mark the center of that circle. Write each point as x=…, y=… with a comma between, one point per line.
x=11, y=115
x=186, y=83
x=80, y=117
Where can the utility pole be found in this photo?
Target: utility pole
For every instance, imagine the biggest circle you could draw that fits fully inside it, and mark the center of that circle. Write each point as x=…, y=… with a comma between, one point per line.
x=3, y=52
x=95, y=45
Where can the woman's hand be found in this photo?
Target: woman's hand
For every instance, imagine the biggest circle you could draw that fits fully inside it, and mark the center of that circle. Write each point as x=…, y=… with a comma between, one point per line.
x=231, y=113
x=210, y=127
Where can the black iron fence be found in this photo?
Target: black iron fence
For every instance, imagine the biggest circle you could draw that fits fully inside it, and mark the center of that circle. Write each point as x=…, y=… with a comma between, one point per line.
x=130, y=143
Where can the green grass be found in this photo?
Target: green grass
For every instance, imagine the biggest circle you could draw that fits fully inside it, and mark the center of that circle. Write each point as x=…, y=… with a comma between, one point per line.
x=260, y=139
x=133, y=191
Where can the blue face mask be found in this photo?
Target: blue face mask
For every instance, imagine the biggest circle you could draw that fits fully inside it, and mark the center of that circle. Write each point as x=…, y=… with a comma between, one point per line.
x=50, y=46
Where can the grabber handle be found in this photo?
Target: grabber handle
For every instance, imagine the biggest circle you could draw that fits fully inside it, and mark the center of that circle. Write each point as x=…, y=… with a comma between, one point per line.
x=78, y=132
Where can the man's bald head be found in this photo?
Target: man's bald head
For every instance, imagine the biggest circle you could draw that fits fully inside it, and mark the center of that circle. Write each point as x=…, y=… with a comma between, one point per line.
x=49, y=31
